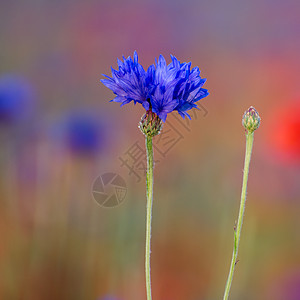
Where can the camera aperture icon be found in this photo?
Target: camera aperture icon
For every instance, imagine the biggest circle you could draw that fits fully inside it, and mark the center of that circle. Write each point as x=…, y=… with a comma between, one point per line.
x=109, y=190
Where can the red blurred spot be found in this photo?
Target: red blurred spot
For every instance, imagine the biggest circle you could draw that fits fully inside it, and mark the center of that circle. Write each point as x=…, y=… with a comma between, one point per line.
x=284, y=133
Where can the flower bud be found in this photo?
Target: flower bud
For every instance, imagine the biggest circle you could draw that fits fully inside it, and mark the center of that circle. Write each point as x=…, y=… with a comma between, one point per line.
x=251, y=119
x=150, y=124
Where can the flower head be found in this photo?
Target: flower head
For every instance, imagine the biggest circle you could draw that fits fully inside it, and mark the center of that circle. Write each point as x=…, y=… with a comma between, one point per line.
x=130, y=82
x=161, y=89
x=16, y=99
x=82, y=133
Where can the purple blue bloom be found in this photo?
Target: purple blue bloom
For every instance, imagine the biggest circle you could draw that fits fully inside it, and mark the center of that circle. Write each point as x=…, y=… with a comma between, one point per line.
x=83, y=133
x=16, y=99
x=162, y=88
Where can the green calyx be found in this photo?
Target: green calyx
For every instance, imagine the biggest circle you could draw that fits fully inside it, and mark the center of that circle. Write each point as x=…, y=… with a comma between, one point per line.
x=150, y=124
x=251, y=119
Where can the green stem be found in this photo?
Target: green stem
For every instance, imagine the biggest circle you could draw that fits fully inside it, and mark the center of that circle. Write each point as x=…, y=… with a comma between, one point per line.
x=238, y=227
x=149, y=184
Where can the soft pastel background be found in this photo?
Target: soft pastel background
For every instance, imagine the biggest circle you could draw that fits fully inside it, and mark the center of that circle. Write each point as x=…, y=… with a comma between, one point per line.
x=58, y=132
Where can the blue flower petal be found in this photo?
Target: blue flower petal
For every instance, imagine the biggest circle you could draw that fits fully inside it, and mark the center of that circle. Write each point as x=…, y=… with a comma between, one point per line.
x=162, y=88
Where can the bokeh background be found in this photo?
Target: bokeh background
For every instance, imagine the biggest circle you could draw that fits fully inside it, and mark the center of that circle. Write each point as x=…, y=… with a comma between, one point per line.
x=58, y=133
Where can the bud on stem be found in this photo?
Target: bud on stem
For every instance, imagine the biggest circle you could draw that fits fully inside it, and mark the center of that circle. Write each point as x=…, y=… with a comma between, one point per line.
x=150, y=124
x=251, y=119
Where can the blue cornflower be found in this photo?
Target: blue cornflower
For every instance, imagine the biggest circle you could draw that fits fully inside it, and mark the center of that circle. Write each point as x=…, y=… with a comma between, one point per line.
x=82, y=133
x=131, y=82
x=161, y=89
x=16, y=99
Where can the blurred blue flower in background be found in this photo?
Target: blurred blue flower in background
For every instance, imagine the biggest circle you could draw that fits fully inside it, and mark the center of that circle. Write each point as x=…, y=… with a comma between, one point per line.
x=287, y=286
x=109, y=298
x=16, y=99
x=83, y=133
x=162, y=88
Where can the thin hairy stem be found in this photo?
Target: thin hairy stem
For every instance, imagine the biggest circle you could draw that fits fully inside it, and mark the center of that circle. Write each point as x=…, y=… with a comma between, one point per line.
x=238, y=227
x=149, y=184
